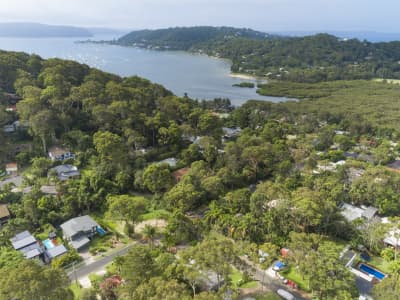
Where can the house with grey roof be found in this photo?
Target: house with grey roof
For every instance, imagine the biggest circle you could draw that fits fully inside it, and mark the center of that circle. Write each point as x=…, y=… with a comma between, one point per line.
x=231, y=133
x=27, y=245
x=65, y=172
x=79, y=231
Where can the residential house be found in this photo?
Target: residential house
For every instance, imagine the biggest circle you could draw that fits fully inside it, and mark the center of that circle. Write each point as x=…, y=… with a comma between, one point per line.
x=354, y=173
x=78, y=231
x=4, y=214
x=341, y=132
x=329, y=167
x=172, y=162
x=392, y=237
x=27, y=245
x=351, y=212
x=9, y=128
x=58, y=153
x=11, y=108
x=11, y=98
x=231, y=133
x=11, y=168
x=65, y=172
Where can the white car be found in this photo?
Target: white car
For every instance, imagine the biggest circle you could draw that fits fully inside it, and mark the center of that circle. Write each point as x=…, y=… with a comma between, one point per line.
x=285, y=294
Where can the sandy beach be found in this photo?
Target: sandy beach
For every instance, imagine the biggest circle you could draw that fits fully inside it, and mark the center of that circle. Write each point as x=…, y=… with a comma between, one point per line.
x=247, y=77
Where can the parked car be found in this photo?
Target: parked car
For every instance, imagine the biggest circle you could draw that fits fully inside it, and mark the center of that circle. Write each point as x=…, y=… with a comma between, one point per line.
x=285, y=294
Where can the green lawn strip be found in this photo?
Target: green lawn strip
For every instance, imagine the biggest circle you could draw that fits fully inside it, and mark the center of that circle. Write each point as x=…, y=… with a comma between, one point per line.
x=268, y=296
x=236, y=276
x=109, y=252
x=76, y=289
x=292, y=274
x=250, y=284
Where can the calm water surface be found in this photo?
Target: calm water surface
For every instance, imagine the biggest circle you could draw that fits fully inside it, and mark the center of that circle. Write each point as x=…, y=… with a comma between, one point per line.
x=199, y=76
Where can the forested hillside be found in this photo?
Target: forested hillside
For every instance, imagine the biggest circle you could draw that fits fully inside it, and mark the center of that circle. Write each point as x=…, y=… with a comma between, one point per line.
x=225, y=183
x=321, y=57
x=185, y=38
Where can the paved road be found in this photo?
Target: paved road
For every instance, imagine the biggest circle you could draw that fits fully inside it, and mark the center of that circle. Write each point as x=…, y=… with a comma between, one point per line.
x=268, y=282
x=97, y=265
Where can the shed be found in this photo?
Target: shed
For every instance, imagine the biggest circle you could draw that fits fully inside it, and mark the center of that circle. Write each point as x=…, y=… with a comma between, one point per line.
x=4, y=214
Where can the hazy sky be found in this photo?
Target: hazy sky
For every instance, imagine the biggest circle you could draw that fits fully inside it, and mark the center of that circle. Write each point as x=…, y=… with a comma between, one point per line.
x=268, y=15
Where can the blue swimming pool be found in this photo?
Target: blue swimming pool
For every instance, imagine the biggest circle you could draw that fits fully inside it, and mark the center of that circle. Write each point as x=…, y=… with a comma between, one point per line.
x=101, y=231
x=48, y=244
x=367, y=269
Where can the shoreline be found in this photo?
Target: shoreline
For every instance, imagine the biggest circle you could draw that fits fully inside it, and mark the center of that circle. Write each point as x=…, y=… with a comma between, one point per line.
x=245, y=76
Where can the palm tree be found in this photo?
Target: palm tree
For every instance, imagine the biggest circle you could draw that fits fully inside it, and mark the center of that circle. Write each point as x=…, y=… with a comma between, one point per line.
x=149, y=233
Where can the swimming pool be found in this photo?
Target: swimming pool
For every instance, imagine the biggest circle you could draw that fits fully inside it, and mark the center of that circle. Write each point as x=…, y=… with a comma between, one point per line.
x=367, y=269
x=48, y=244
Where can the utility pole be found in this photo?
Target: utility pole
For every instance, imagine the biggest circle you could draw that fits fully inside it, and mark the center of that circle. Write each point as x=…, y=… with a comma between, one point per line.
x=262, y=283
x=74, y=271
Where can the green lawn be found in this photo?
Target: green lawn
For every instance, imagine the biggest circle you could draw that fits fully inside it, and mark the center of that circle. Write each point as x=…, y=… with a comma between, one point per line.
x=156, y=214
x=76, y=289
x=103, y=221
x=379, y=263
x=250, y=284
x=237, y=279
x=292, y=274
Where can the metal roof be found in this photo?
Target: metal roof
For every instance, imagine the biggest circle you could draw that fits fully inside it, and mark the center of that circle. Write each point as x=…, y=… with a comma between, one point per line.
x=33, y=253
x=79, y=224
x=369, y=212
x=22, y=240
x=56, y=251
x=79, y=243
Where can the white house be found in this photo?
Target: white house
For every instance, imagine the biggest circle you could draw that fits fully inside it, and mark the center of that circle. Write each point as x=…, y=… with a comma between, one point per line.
x=11, y=168
x=58, y=153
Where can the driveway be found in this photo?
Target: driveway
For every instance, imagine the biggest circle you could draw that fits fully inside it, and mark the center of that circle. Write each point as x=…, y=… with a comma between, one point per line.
x=16, y=180
x=98, y=265
x=268, y=282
